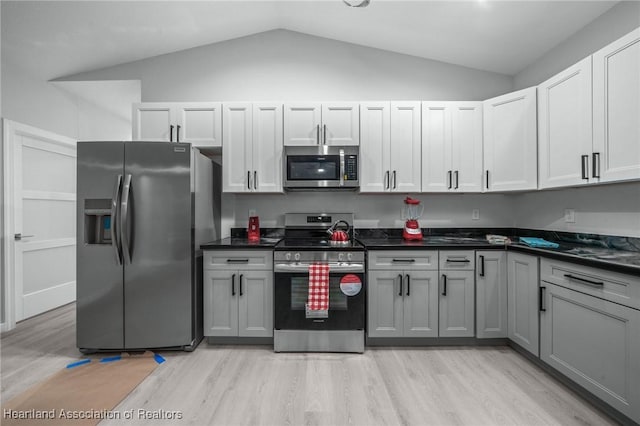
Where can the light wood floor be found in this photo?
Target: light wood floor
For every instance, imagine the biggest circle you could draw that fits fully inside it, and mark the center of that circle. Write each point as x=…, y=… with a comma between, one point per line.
x=239, y=385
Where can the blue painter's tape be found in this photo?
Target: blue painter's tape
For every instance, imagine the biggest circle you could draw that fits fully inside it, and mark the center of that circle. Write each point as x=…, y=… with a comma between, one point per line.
x=77, y=363
x=158, y=358
x=111, y=358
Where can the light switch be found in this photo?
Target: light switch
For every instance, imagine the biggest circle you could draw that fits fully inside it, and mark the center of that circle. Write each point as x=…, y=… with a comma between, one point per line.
x=569, y=215
x=475, y=214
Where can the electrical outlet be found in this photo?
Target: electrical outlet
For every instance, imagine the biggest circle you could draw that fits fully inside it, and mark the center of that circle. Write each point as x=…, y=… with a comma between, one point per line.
x=475, y=214
x=569, y=215
x=252, y=213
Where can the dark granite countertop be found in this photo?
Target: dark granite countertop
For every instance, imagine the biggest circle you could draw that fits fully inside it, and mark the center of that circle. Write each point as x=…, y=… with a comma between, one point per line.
x=240, y=243
x=613, y=253
x=433, y=243
x=269, y=237
x=618, y=254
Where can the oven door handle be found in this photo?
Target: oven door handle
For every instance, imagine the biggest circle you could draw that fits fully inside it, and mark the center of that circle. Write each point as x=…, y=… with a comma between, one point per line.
x=304, y=267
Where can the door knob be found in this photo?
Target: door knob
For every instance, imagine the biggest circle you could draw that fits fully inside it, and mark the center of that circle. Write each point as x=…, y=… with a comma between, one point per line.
x=18, y=237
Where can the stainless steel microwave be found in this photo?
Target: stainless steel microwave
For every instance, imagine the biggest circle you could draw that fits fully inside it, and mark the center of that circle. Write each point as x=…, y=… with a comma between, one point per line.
x=318, y=167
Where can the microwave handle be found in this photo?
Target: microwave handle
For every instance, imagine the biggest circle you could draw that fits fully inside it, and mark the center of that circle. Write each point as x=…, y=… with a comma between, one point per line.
x=342, y=167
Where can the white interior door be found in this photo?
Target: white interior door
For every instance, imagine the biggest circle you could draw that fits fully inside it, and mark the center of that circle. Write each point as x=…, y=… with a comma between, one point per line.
x=40, y=222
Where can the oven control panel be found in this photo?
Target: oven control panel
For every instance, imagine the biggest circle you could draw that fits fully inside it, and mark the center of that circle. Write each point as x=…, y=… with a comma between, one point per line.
x=330, y=256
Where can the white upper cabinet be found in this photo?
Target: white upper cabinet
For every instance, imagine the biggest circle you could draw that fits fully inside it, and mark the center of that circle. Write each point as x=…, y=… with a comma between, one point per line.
x=390, y=147
x=375, y=146
x=153, y=121
x=252, y=147
x=616, y=109
x=451, y=146
x=237, y=143
x=405, y=165
x=341, y=123
x=564, y=127
x=267, y=147
x=335, y=123
x=198, y=123
x=510, y=142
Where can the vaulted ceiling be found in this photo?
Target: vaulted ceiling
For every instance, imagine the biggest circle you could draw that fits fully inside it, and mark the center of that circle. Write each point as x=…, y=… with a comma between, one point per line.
x=52, y=39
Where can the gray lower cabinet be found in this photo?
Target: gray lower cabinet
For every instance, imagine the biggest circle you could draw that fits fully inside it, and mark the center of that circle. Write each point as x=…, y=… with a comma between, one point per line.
x=594, y=342
x=491, y=294
x=457, y=294
x=456, y=307
x=402, y=303
x=402, y=294
x=522, y=292
x=238, y=295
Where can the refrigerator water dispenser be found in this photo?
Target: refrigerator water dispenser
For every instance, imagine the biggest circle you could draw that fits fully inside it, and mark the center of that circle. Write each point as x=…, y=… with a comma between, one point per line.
x=97, y=221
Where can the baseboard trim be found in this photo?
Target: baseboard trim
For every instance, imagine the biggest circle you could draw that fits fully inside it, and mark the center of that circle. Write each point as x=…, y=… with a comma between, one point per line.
x=434, y=341
x=50, y=298
x=212, y=340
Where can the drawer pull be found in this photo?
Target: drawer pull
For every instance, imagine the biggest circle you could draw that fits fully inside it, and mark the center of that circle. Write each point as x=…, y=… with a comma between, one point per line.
x=237, y=260
x=584, y=280
x=404, y=260
x=458, y=261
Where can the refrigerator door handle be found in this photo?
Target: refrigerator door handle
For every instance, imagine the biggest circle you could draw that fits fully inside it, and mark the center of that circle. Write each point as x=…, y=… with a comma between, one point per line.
x=124, y=220
x=115, y=226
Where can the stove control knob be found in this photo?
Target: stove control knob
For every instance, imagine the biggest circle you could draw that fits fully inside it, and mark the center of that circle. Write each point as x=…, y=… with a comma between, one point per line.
x=340, y=257
x=287, y=257
x=296, y=257
x=349, y=256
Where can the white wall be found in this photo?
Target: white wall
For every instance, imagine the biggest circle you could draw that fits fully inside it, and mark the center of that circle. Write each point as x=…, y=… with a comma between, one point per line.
x=606, y=209
x=379, y=210
x=613, y=24
x=38, y=103
x=104, y=107
x=286, y=65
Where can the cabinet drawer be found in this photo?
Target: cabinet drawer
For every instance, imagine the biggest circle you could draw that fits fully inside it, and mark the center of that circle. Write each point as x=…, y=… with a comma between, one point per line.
x=608, y=285
x=240, y=259
x=403, y=260
x=460, y=260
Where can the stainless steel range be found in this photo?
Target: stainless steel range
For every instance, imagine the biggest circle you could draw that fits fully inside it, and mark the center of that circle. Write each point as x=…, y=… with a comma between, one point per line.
x=307, y=242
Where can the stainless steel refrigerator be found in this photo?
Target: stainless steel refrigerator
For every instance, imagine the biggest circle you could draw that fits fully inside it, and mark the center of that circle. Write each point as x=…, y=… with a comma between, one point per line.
x=143, y=210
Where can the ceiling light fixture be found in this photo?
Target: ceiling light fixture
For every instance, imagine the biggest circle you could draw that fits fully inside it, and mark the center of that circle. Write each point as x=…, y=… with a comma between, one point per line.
x=357, y=3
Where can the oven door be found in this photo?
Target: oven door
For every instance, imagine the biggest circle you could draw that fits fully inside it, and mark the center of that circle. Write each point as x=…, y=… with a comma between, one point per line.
x=346, y=302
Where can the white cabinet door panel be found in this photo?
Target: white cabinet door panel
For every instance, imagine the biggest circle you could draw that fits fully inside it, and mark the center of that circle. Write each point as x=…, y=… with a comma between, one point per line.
x=564, y=127
x=510, y=141
x=437, y=173
x=302, y=124
x=375, y=121
x=152, y=122
x=267, y=147
x=200, y=124
x=237, y=174
x=341, y=123
x=406, y=147
x=466, y=144
x=616, y=109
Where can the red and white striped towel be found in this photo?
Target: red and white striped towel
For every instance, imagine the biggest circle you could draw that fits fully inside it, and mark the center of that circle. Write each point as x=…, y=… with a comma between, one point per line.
x=318, y=299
